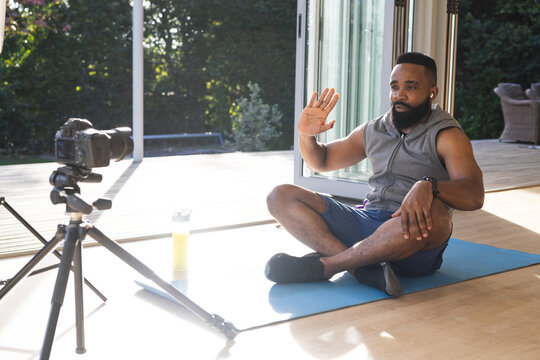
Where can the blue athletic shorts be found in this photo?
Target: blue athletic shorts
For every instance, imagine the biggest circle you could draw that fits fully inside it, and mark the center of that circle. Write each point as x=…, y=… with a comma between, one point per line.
x=351, y=225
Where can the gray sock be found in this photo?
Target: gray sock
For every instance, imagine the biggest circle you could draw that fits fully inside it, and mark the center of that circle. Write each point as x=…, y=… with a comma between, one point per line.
x=380, y=276
x=283, y=268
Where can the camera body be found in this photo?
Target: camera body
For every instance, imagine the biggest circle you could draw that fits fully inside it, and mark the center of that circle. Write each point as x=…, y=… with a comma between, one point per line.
x=77, y=143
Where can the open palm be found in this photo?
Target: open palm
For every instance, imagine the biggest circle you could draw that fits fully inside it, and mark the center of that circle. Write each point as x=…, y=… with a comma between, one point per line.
x=312, y=120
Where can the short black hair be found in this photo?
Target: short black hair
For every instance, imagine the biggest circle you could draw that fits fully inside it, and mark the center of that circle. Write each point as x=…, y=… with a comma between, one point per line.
x=419, y=59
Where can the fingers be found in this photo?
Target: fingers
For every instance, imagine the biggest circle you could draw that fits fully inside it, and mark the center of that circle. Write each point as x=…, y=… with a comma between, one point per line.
x=427, y=216
x=322, y=98
x=405, y=225
x=422, y=229
x=312, y=100
x=328, y=126
x=332, y=103
x=327, y=100
x=414, y=225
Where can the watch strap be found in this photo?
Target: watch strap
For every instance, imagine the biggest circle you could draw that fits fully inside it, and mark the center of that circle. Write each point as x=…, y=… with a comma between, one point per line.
x=433, y=182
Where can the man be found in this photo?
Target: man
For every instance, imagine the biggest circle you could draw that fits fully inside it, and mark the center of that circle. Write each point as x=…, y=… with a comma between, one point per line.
x=423, y=167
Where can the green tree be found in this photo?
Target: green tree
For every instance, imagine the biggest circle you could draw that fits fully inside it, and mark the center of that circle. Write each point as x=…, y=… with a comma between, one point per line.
x=176, y=54
x=254, y=41
x=201, y=55
x=498, y=41
x=60, y=60
x=72, y=58
x=27, y=97
x=255, y=125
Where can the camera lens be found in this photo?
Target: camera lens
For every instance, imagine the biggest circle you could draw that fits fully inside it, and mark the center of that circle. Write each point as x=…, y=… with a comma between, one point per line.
x=121, y=142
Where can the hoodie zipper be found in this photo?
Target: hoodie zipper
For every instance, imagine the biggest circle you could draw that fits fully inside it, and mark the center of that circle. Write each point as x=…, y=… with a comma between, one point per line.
x=391, y=161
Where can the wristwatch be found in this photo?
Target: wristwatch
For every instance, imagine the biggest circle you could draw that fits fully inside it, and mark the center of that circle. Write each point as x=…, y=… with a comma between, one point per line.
x=433, y=182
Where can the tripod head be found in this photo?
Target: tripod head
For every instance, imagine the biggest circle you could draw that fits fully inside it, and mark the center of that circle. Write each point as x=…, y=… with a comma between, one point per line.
x=81, y=147
x=66, y=189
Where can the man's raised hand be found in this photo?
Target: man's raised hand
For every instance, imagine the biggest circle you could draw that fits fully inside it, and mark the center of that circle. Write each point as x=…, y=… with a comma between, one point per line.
x=312, y=120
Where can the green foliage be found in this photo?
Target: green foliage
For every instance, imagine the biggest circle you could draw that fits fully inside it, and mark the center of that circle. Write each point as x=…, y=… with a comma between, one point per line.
x=255, y=124
x=23, y=159
x=203, y=53
x=72, y=58
x=176, y=34
x=498, y=41
x=254, y=41
x=63, y=60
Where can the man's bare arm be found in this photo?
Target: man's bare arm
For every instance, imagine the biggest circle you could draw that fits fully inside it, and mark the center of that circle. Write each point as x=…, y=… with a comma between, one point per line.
x=335, y=155
x=465, y=190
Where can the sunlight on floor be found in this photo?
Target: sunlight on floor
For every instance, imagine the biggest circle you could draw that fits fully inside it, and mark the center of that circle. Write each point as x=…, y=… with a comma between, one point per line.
x=384, y=334
x=516, y=207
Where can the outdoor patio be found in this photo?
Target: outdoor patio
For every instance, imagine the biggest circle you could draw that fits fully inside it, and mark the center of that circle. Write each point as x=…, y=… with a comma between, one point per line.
x=487, y=317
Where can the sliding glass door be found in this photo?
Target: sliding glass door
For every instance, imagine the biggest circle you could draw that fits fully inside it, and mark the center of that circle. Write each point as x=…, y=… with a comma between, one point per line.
x=350, y=45
x=347, y=45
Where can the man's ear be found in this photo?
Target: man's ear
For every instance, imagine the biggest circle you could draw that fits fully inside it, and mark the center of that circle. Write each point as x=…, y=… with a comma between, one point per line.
x=433, y=92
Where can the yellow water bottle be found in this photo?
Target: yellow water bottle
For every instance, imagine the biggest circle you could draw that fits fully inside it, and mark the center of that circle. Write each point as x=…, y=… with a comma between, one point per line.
x=180, y=237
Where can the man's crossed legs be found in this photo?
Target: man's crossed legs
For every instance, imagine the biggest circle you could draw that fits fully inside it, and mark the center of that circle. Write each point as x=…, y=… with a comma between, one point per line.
x=367, y=243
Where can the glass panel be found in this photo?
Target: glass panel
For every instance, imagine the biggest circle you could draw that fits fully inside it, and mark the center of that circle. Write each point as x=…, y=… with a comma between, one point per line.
x=344, y=51
x=410, y=28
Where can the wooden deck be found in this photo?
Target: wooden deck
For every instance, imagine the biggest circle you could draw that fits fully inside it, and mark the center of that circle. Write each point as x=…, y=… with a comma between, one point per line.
x=224, y=191
x=494, y=317
x=507, y=165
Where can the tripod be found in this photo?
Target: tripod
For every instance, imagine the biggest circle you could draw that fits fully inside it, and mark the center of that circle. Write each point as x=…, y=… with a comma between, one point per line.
x=66, y=191
x=49, y=246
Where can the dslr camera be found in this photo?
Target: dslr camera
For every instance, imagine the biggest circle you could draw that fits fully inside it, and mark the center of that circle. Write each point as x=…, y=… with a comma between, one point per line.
x=77, y=143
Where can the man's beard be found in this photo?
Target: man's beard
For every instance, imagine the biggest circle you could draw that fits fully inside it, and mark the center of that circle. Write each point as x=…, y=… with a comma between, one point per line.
x=406, y=119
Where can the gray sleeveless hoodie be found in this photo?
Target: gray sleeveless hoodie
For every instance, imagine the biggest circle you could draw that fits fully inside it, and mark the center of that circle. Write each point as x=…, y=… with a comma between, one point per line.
x=399, y=160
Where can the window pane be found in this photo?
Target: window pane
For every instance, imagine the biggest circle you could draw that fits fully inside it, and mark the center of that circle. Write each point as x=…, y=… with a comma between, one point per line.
x=344, y=51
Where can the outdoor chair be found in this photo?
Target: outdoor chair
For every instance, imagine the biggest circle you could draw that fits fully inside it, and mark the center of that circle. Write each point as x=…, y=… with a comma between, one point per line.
x=533, y=92
x=521, y=115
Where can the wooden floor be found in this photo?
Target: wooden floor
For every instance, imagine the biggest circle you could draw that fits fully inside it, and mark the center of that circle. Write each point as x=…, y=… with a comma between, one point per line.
x=494, y=317
x=507, y=165
x=223, y=191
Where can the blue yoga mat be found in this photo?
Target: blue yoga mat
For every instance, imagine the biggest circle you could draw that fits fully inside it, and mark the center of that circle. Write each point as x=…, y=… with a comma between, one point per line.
x=247, y=299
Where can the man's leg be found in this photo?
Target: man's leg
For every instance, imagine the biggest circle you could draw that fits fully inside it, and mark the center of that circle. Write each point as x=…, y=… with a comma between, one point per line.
x=388, y=244
x=299, y=211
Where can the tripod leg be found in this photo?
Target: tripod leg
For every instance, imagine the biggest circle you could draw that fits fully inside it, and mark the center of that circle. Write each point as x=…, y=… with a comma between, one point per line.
x=51, y=245
x=33, y=263
x=72, y=237
x=40, y=255
x=79, y=307
x=225, y=327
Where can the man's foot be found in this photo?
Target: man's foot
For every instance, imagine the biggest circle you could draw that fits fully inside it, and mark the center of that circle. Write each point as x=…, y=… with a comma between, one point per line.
x=283, y=268
x=380, y=276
